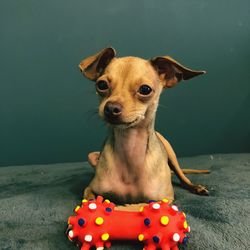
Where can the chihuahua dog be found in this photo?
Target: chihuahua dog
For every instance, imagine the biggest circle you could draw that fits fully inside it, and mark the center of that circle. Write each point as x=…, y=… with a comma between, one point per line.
x=135, y=163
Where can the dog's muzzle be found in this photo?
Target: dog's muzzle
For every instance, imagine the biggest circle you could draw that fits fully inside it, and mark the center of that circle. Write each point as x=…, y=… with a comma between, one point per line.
x=112, y=112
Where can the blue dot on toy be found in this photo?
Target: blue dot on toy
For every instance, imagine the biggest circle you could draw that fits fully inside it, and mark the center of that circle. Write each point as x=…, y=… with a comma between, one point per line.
x=150, y=201
x=185, y=240
x=147, y=222
x=81, y=222
x=108, y=209
x=156, y=239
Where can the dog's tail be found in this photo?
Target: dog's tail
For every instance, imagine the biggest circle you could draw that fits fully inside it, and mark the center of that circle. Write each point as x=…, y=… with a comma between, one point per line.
x=194, y=171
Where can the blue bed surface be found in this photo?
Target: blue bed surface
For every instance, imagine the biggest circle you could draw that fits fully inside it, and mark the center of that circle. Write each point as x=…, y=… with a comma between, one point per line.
x=36, y=201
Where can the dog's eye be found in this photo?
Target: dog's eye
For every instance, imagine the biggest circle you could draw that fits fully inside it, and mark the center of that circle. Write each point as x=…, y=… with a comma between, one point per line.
x=145, y=90
x=102, y=85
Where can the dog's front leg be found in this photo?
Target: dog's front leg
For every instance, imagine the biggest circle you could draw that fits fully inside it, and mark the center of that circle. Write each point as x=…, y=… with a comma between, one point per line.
x=93, y=158
x=88, y=193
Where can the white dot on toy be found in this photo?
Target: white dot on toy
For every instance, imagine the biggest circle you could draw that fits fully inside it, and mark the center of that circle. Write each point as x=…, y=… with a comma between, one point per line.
x=175, y=208
x=156, y=206
x=92, y=206
x=71, y=234
x=176, y=237
x=88, y=238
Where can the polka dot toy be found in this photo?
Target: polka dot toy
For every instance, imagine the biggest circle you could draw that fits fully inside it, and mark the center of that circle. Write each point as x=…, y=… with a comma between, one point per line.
x=158, y=225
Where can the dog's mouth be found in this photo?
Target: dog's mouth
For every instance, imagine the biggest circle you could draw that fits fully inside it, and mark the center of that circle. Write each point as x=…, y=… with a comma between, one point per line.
x=122, y=124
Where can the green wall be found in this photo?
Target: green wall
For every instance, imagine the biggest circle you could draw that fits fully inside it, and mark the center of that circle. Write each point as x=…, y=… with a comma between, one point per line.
x=47, y=108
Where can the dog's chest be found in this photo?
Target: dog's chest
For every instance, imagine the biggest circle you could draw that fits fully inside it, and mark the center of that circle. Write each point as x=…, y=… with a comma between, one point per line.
x=147, y=176
x=136, y=167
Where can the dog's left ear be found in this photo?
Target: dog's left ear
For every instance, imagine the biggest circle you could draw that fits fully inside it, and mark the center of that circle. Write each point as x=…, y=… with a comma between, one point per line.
x=171, y=72
x=93, y=66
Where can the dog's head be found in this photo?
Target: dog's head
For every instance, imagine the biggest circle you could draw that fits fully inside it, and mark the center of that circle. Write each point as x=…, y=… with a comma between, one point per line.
x=129, y=87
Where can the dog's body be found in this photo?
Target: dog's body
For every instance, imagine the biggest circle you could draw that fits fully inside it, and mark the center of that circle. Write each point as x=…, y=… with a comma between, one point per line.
x=136, y=161
x=132, y=168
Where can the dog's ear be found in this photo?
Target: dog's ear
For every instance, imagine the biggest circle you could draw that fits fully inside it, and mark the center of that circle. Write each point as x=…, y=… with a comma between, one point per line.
x=92, y=67
x=171, y=72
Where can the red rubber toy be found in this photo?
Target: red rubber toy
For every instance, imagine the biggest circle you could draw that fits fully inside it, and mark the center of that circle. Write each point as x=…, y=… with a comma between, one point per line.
x=158, y=224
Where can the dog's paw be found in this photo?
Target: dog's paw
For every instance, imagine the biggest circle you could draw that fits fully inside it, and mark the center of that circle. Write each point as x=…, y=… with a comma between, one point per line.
x=200, y=190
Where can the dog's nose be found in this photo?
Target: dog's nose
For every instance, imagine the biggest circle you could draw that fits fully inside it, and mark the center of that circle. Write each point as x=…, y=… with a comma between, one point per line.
x=112, y=110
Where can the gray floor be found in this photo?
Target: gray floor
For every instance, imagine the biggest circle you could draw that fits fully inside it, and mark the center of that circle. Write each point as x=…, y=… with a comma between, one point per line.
x=35, y=202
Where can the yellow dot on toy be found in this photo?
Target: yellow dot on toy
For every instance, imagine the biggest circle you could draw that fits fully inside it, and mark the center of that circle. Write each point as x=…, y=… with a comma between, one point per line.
x=185, y=225
x=141, y=209
x=107, y=201
x=164, y=220
x=77, y=208
x=140, y=237
x=105, y=236
x=84, y=201
x=99, y=221
x=165, y=200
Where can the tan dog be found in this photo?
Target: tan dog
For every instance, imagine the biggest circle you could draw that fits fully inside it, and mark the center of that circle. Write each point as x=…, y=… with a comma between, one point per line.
x=135, y=162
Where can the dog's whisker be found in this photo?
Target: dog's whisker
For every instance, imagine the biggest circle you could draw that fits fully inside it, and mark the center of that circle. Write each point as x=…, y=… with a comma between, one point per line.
x=90, y=114
x=162, y=106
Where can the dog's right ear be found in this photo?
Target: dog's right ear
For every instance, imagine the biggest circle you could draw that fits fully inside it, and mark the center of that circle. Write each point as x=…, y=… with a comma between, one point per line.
x=171, y=72
x=92, y=67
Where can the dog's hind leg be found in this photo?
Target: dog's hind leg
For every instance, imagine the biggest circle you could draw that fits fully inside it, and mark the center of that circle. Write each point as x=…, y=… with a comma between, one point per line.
x=174, y=165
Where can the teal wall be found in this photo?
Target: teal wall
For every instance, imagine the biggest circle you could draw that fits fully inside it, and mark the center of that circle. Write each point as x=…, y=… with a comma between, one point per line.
x=47, y=107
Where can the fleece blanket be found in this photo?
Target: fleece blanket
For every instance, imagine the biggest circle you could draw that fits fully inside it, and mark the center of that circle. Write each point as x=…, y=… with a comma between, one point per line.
x=36, y=200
